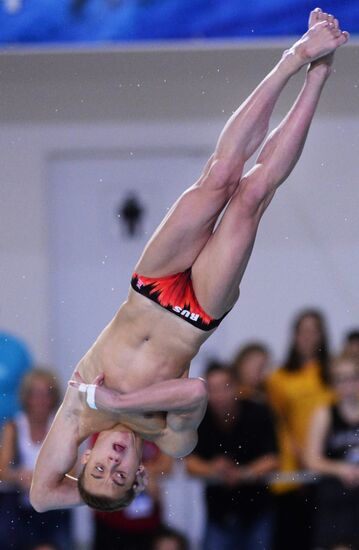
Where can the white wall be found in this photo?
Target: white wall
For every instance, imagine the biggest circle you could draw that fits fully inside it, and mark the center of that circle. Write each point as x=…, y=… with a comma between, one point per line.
x=61, y=104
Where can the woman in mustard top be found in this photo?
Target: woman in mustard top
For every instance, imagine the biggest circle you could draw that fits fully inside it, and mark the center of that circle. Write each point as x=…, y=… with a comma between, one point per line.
x=295, y=390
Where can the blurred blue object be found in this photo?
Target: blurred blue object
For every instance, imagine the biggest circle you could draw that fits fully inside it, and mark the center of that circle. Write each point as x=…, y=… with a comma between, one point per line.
x=36, y=21
x=15, y=360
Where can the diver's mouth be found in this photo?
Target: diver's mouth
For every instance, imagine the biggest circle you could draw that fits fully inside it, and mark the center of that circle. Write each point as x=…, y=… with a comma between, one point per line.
x=118, y=448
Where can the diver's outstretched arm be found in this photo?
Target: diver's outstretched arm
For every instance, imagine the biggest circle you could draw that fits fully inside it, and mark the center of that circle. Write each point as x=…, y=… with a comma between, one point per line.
x=51, y=488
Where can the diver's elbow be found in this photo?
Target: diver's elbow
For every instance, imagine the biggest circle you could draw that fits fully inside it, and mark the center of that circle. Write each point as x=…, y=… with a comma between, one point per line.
x=37, y=501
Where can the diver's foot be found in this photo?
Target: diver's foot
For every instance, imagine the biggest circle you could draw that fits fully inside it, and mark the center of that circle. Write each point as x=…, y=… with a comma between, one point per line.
x=318, y=44
x=316, y=16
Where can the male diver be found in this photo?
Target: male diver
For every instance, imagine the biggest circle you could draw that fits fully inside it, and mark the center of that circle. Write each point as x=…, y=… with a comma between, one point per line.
x=133, y=382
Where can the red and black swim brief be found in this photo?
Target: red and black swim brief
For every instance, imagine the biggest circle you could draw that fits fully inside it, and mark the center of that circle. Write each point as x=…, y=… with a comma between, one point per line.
x=175, y=293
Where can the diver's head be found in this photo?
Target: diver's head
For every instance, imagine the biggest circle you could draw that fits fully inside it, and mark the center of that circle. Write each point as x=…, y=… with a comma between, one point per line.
x=112, y=474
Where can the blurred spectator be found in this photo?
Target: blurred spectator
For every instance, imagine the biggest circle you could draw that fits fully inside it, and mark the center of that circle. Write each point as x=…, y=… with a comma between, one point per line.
x=333, y=451
x=22, y=437
x=134, y=527
x=250, y=367
x=351, y=343
x=15, y=360
x=236, y=449
x=169, y=539
x=295, y=390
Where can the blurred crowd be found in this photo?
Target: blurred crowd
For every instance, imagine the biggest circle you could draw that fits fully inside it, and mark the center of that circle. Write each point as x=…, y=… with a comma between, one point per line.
x=277, y=451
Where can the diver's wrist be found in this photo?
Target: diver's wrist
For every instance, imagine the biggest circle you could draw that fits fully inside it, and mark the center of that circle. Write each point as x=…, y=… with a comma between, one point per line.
x=89, y=391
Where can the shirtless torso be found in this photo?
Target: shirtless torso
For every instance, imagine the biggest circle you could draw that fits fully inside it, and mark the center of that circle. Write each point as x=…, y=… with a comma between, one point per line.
x=143, y=344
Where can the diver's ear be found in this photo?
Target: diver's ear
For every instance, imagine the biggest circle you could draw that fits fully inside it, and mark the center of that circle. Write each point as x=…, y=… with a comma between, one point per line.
x=85, y=457
x=140, y=469
x=141, y=479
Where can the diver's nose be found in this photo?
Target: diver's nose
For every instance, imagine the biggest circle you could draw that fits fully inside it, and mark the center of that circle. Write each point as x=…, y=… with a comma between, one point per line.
x=114, y=459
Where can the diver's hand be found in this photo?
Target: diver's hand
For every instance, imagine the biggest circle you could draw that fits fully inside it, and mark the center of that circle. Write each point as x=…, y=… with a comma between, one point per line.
x=77, y=379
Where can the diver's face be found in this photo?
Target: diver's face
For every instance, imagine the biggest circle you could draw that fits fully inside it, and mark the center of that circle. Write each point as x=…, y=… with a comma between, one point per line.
x=112, y=463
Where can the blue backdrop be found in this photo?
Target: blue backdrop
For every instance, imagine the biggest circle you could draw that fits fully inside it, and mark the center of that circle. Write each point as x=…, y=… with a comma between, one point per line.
x=34, y=21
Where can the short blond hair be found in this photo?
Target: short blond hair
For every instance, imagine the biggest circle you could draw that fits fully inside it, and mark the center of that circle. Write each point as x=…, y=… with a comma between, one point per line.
x=36, y=374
